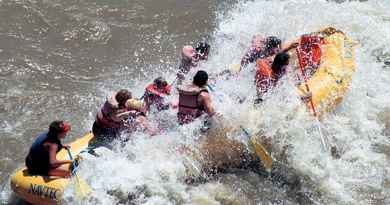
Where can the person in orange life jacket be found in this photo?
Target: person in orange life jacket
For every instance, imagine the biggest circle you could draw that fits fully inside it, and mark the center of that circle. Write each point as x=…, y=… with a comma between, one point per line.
x=264, y=47
x=109, y=121
x=194, y=99
x=190, y=58
x=41, y=159
x=155, y=93
x=268, y=73
x=136, y=118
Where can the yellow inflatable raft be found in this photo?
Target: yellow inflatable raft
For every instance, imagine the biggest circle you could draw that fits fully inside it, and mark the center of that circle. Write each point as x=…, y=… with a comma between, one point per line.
x=327, y=60
x=44, y=190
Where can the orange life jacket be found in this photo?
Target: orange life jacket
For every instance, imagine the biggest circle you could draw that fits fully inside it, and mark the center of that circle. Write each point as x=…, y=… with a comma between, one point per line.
x=264, y=77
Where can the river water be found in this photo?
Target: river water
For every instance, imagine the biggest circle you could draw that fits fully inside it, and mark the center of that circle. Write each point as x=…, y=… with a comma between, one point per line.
x=59, y=59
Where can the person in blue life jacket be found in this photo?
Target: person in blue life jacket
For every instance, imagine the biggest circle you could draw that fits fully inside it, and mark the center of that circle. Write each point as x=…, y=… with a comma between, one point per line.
x=41, y=159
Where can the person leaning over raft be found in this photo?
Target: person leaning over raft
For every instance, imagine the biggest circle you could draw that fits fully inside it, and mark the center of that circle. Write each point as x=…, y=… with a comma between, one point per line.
x=264, y=47
x=269, y=72
x=41, y=159
x=190, y=58
x=155, y=94
x=136, y=117
x=109, y=121
x=194, y=99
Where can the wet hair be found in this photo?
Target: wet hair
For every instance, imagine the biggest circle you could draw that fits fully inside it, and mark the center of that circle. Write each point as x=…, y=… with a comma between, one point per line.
x=160, y=82
x=272, y=42
x=200, y=78
x=202, y=49
x=122, y=96
x=280, y=61
x=55, y=128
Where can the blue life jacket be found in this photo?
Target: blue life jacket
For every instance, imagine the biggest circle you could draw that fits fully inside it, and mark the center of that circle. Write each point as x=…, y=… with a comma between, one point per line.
x=37, y=160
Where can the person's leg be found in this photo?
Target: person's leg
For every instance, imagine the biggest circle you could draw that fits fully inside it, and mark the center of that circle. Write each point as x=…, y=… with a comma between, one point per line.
x=59, y=172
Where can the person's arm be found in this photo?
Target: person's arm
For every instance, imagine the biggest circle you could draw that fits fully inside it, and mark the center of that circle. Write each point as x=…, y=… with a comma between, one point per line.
x=288, y=46
x=206, y=101
x=54, y=163
x=246, y=59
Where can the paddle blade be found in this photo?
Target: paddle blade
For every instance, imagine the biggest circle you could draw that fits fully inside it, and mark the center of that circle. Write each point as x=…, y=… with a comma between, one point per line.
x=82, y=189
x=235, y=68
x=262, y=153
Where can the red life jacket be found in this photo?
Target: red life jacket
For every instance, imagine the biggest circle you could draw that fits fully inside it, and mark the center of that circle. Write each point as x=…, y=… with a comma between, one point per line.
x=107, y=115
x=264, y=77
x=309, y=52
x=155, y=96
x=189, y=107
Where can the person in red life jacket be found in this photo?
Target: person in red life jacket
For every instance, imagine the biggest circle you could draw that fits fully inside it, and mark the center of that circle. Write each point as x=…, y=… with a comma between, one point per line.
x=268, y=73
x=264, y=47
x=136, y=118
x=109, y=121
x=155, y=93
x=41, y=159
x=190, y=58
x=194, y=99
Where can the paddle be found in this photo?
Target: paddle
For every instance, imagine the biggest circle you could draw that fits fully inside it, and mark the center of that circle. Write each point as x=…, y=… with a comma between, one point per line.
x=82, y=189
x=259, y=150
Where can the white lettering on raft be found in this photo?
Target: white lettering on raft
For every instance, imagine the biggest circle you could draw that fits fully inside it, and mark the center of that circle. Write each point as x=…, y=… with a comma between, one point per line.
x=43, y=191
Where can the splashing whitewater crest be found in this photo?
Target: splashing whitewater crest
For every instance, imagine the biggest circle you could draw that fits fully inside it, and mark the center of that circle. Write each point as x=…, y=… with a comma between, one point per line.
x=358, y=177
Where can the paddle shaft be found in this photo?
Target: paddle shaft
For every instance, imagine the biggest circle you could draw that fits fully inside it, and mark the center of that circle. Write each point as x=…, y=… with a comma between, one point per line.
x=84, y=189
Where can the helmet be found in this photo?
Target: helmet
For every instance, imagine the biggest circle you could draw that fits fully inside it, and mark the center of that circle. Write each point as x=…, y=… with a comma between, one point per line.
x=134, y=104
x=273, y=42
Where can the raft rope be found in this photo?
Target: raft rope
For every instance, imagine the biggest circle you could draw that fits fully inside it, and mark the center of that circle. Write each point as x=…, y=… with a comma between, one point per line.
x=323, y=142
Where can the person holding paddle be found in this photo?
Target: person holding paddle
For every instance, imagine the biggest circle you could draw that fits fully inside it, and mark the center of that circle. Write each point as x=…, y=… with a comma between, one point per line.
x=41, y=159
